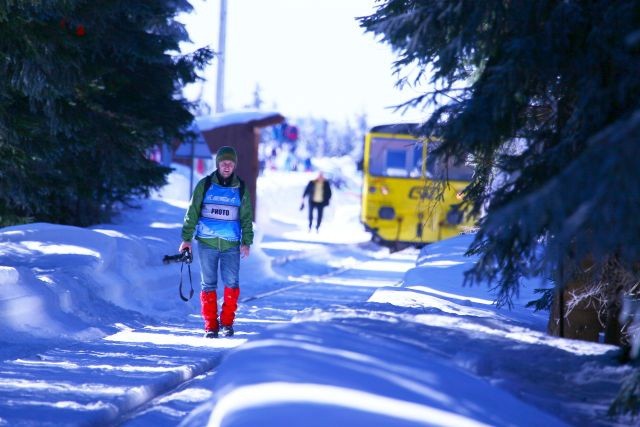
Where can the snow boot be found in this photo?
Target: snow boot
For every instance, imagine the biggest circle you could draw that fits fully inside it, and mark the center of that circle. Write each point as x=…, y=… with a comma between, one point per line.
x=211, y=334
x=228, y=312
x=209, y=301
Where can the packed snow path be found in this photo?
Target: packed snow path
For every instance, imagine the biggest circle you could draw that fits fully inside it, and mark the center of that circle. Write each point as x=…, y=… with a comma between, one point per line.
x=319, y=328
x=139, y=375
x=317, y=285
x=326, y=333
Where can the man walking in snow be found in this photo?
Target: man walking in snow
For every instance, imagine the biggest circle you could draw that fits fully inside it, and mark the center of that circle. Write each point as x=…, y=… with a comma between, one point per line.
x=220, y=217
x=318, y=192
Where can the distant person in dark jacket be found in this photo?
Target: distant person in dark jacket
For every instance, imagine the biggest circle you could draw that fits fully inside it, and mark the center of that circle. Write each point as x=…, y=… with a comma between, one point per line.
x=318, y=192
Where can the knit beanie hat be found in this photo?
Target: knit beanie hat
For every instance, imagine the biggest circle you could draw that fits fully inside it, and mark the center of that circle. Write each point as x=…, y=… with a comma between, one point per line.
x=226, y=153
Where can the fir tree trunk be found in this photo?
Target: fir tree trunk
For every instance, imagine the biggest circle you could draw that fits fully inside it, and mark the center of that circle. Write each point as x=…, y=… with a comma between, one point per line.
x=574, y=307
x=589, y=305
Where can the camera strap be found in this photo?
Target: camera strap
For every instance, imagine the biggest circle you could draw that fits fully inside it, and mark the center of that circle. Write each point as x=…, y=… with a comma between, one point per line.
x=182, y=297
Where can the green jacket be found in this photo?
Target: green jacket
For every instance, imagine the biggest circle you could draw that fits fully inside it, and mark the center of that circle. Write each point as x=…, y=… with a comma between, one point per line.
x=193, y=215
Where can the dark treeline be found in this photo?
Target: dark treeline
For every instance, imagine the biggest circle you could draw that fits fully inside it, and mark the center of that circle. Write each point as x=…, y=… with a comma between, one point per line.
x=86, y=88
x=545, y=96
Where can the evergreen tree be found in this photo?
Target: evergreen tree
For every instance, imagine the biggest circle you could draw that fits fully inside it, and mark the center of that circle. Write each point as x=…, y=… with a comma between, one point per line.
x=88, y=87
x=545, y=93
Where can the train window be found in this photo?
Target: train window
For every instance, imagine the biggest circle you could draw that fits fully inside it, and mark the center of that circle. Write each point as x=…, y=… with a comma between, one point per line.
x=390, y=157
x=416, y=161
x=402, y=158
x=455, y=170
x=396, y=163
x=460, y=170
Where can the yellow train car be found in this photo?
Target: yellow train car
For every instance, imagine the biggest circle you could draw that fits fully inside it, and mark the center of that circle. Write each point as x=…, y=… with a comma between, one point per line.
x=402, y=184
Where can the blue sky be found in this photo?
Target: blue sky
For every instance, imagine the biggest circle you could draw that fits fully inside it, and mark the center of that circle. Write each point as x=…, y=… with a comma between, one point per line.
x=309, y=57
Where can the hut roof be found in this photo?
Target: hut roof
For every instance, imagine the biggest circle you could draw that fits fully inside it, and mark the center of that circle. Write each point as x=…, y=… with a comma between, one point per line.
x=254, y=118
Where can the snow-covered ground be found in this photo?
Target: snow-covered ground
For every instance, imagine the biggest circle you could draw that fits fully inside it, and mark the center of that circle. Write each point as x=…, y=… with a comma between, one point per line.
x=331, y=330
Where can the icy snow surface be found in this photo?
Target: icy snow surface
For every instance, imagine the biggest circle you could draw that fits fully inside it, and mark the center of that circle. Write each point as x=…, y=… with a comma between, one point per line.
x=331, y=330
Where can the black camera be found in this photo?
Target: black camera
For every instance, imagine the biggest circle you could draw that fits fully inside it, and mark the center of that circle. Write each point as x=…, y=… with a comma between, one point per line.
x=184, y=256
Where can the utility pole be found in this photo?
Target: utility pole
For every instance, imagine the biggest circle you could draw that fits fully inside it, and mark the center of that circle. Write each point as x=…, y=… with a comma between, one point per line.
x=193, y=155
x=221, y=57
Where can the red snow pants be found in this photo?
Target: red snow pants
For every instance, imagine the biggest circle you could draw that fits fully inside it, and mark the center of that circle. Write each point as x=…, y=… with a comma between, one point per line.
x=209, y=310
x=229, y=306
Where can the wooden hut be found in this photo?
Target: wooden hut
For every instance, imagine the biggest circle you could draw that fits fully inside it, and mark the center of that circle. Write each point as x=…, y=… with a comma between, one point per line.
x=240, y=130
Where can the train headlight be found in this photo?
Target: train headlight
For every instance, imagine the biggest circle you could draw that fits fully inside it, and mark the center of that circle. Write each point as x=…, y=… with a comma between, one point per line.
x=384, y=190
x=386, y=212
x=455, y=215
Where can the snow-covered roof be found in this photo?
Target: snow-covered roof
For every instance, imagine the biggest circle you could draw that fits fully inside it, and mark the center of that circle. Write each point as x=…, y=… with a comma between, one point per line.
x=214, y=121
